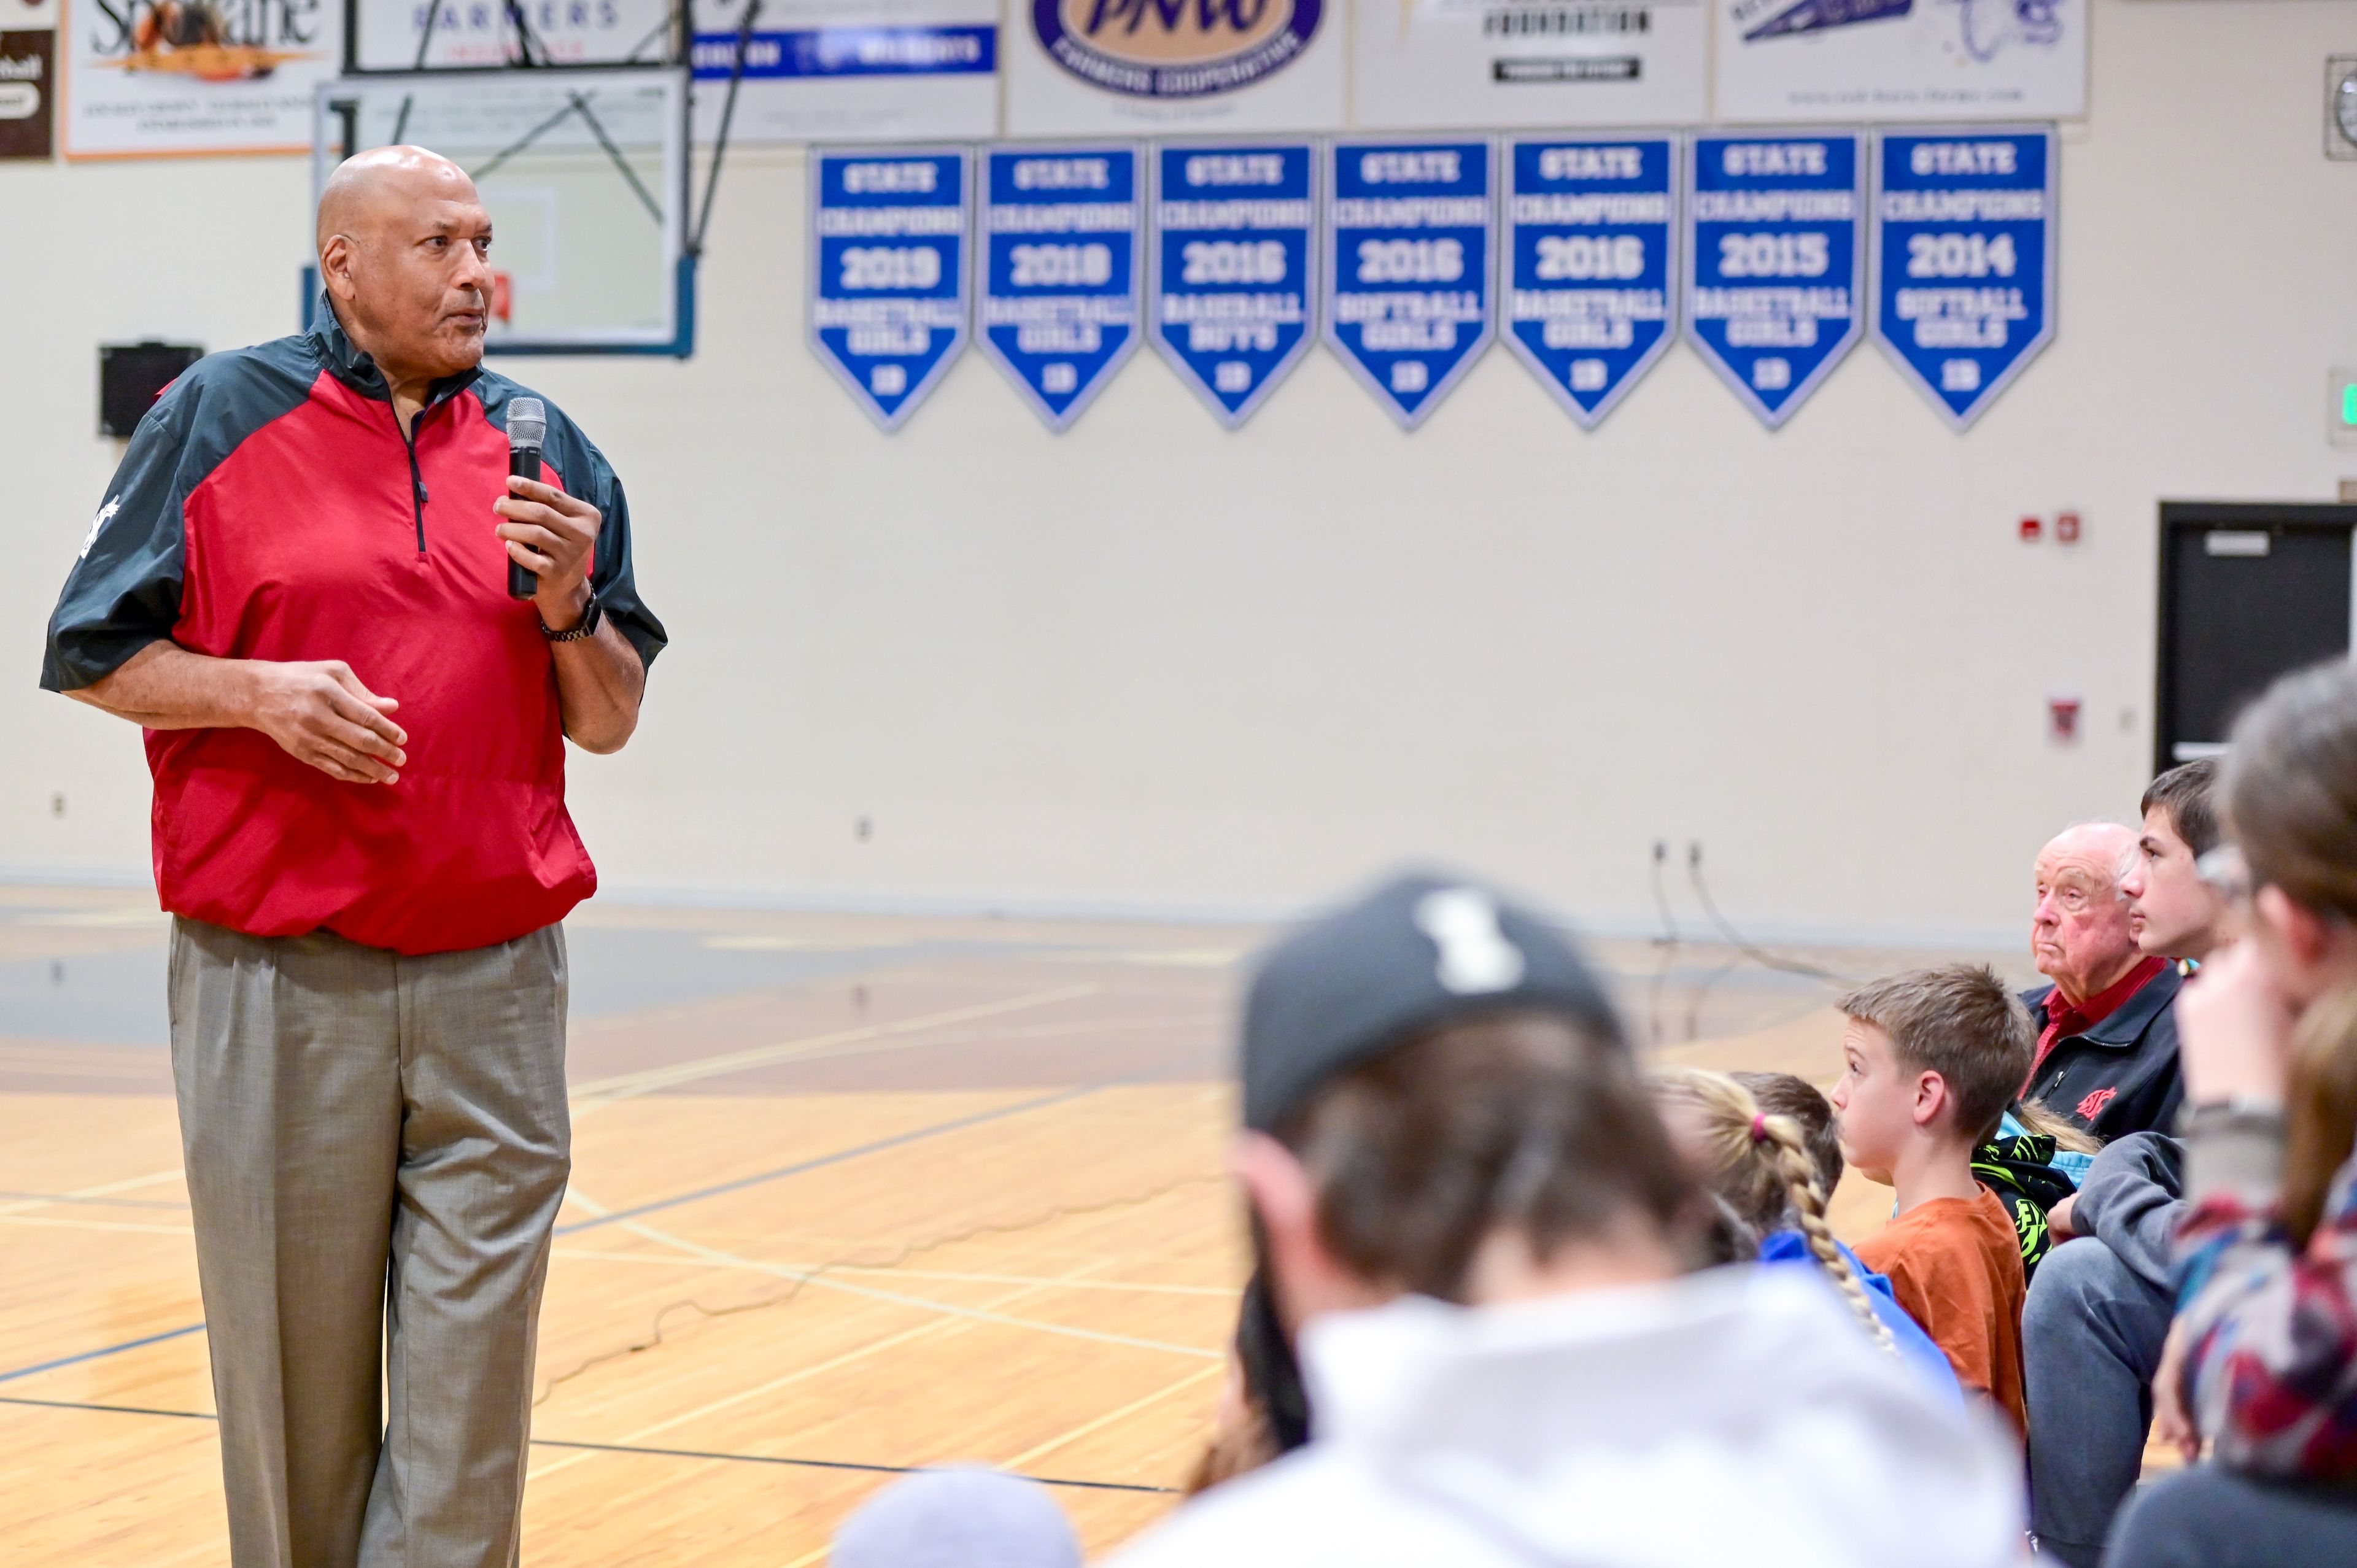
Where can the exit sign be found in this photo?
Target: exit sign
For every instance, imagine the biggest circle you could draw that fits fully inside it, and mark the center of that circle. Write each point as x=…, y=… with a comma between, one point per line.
x=2340, y=408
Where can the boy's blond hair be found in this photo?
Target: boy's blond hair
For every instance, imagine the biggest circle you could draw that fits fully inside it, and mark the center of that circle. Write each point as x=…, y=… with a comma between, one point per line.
x=1960, y=1021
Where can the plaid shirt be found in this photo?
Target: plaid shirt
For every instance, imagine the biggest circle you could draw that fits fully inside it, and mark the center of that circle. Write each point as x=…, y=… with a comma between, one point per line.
x=2271, y=1358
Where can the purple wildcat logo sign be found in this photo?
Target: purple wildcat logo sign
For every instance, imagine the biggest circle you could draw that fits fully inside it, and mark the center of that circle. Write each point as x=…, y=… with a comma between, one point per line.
x=1175, y=49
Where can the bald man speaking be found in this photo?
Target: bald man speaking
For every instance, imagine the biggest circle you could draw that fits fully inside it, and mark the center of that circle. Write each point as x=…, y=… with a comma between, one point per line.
x=297, y=587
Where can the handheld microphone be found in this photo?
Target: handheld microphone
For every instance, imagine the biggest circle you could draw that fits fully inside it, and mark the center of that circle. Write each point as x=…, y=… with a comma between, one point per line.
x=527, y=431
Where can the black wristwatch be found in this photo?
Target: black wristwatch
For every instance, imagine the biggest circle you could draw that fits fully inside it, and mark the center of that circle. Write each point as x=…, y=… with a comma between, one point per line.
x=588, y=626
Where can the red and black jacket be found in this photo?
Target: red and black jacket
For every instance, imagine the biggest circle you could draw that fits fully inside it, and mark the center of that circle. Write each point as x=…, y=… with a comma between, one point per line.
x=2119, y=1075
x=270, y=508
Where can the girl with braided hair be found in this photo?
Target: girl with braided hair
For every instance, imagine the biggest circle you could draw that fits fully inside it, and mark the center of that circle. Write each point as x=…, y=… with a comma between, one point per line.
x=1768, y=1163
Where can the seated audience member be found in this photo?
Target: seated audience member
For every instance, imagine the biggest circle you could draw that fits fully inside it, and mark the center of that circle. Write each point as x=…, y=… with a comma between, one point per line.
x=2092, y=1331
x=2098, y=1312
x=2262, y=1359
x=1931, y=1058
x=2173, y=913
x=962, y=1518
x=2033, y=1166
x=1771, y=1153
x=2106, y=1054
x=1478, y=1237
x=1263, y=1412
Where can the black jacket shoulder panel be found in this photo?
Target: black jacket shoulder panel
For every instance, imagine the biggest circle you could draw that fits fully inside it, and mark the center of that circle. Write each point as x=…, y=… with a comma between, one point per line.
x=587, y=474
x=2152, y=1006
x=124, y=591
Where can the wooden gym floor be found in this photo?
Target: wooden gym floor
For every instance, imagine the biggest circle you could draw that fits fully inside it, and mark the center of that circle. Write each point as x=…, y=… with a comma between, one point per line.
x=851, y=1195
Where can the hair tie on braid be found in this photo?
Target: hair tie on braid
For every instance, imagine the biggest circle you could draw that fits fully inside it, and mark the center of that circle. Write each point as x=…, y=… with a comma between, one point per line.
x=1759, y=1133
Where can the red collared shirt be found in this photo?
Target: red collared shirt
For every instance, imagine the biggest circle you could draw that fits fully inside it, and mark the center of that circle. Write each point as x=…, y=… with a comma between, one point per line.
x=2063, y=1020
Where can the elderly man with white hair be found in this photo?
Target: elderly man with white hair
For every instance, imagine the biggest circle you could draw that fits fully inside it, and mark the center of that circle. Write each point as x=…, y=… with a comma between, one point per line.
x=2107, y=1032
x=2099, y=1307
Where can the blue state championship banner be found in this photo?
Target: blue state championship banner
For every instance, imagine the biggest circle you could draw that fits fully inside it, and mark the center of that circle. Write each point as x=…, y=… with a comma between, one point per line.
x=1233, y=253
x=1059, y=293
x=1775, y=255
x=1410, y=284
x=1965, y=248
x=889, y=254
x=1591, y=263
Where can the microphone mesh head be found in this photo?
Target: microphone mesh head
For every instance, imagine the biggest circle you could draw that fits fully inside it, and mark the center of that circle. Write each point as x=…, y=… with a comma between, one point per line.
x=527, y=422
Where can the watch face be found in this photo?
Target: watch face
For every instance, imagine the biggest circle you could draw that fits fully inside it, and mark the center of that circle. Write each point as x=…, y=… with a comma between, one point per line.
x=2344, y=107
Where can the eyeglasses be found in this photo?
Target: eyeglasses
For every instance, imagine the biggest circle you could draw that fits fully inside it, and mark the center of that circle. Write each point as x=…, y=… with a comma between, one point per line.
x=2226, y=873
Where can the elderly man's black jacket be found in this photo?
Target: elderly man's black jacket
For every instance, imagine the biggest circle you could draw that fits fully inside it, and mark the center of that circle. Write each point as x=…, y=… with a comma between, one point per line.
x=2120, y=1076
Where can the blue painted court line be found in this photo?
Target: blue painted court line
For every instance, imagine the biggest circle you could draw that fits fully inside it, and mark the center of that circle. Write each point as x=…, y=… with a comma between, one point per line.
x=825, y=1160
x=630, y=1448
x=94, y=1355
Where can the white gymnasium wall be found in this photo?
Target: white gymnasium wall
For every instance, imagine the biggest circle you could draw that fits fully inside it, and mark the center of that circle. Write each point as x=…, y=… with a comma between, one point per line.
x=1152, y=666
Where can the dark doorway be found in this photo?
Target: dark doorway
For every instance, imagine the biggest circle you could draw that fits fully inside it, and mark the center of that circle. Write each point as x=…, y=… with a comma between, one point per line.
x=2247, y=592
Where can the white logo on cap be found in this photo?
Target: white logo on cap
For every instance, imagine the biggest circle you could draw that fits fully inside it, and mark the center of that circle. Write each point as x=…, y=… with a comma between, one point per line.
x=1475, y=956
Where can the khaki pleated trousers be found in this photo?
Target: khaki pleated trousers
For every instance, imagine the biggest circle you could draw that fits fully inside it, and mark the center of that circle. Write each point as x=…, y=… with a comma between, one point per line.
x=376, y=1148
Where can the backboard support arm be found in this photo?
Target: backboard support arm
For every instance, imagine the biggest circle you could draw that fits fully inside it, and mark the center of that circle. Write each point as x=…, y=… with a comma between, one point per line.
x=728, y=115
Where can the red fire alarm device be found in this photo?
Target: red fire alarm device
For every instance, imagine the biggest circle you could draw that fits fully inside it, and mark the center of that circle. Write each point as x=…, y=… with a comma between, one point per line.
x=2031, y=530
x=2066, y=527
x=2062, y=719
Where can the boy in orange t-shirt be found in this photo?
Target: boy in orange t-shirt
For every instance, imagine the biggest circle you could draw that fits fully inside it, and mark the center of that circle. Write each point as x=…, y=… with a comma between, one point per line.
x=1933, y=1057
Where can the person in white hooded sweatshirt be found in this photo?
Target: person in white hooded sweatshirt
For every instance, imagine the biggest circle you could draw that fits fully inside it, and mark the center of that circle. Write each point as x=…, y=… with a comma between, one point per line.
x=1480, y=1237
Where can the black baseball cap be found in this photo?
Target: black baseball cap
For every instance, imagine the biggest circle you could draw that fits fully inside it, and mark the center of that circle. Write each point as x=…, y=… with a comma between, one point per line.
x=1418, y=951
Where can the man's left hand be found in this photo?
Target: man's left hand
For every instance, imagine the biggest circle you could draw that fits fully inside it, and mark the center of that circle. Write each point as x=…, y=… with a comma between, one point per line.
x=550, y=534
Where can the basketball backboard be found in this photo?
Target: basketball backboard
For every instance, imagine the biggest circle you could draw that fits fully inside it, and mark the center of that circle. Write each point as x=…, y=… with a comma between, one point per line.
x=584, y=175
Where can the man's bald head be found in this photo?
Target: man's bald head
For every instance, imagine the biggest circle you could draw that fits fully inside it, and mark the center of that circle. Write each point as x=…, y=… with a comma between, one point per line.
x=2080, y=934
x=404, y=242
x=368, y=188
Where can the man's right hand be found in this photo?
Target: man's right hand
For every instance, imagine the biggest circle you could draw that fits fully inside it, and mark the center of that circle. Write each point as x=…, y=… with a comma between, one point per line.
x=316, y=710
x=320, y=714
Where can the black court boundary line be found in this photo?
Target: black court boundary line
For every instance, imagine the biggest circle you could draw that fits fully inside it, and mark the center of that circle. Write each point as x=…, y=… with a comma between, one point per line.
x=632, y=1448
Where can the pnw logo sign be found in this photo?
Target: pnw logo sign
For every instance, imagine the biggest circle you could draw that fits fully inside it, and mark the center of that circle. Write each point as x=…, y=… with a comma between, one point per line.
x=1175, y=49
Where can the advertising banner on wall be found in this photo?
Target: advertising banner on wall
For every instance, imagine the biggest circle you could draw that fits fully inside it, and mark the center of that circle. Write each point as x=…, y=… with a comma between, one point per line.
x=1430, y=64
x=29, y=93
x=1591, y=263
x=408, y=35
x=1774, y=261
x=849, y=69
x=1062, y=260
x=889, y=265
x=1964, y=249
x=1900, y=59
x=1409, y=288
x=1234, y=262
x=196, y=76
x=1095, y=67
